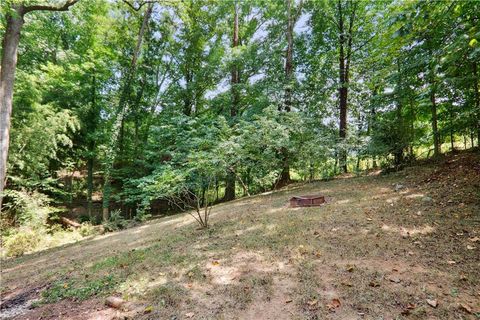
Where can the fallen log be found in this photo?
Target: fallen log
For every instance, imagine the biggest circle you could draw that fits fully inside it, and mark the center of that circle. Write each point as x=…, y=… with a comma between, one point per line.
x=69, y=223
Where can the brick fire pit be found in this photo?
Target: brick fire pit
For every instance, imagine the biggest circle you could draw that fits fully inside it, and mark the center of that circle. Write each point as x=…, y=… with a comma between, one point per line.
x=307, y=201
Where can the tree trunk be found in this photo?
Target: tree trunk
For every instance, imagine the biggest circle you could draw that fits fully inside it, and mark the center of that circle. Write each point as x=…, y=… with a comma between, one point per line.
x=90, y=187
x=7, y=78
x=284, y=178
x=235, y=81
x=477, y=99
x=120, y=113
x=91, y=149
x=398, y=150
x=342, y=92
x=344, y=59
x=436, y=139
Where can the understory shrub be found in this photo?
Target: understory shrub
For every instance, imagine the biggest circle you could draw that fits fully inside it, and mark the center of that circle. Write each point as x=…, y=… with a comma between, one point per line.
x=115, y=222
x=21, y=242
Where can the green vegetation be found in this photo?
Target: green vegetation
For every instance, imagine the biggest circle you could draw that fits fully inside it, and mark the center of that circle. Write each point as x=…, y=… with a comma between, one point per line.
x=79, y=290
x=116, y=112
x=136, y=103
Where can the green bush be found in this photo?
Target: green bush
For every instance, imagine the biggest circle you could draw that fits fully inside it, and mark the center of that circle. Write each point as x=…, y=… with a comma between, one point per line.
x=21, y=242
x=115, y=222
x=86, y=229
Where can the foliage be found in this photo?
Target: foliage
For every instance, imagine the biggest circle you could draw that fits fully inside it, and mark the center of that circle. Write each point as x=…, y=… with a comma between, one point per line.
x=78, y=290
x=21, y=242
x=137, y=115
x=115, y=222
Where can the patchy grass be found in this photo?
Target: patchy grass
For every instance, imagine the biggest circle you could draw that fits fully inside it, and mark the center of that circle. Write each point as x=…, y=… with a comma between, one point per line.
x=376, y=250
x=78, y=289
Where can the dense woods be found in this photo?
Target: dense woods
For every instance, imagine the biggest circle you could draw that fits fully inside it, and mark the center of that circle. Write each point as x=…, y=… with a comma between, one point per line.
x=132, y=108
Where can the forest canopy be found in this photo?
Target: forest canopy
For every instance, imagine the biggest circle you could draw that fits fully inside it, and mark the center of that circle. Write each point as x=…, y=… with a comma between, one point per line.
x=136, y=106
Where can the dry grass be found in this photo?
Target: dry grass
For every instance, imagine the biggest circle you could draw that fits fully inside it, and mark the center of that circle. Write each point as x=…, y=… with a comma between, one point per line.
x=378, y=251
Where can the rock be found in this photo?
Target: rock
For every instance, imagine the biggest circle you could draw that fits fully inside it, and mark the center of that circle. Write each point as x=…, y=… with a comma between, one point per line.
x=394, y=279
x=427, y=199
x=114, y=302
x=432, y=303
x=466, y=308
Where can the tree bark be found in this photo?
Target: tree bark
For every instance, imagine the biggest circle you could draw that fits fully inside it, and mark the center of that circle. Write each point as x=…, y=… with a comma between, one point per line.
x=7, y=78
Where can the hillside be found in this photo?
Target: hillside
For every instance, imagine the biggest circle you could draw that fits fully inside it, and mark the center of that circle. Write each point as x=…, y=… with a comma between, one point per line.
x=397, y=246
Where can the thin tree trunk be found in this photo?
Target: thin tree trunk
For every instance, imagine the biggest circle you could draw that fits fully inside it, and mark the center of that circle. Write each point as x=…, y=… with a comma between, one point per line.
x=398, y=151
x=342, y=91
x=477, y=98
x=121, y=109
x=292, y=17
x=235, y=81
x=344, y=57
x=436, y=139
x=91, y=151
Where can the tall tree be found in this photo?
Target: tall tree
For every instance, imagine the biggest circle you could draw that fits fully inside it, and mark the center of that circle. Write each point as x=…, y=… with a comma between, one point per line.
x=121, y=109
x=235, y=101
x=293, y=13
x=346, y=20
x=15, y=20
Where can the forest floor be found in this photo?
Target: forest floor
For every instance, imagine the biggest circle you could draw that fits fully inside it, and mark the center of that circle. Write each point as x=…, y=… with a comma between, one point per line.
x=399, y=246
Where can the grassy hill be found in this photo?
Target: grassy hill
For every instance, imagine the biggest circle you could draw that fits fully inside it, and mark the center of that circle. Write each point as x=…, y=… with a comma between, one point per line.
x=397, y=246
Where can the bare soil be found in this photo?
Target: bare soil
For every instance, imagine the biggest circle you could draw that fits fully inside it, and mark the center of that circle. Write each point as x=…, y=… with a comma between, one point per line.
x=399, y=246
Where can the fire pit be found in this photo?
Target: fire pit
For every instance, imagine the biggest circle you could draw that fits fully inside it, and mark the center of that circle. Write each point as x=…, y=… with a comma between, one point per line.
x=307, y=201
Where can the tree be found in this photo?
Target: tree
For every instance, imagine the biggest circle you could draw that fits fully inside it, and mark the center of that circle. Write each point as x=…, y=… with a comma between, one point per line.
x=292, y=17
x=15, y=20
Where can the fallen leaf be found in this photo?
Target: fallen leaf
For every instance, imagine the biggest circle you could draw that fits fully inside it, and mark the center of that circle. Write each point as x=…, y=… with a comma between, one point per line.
x=475, y=239
x=312, y=302
x=189, y=315
x=469, y=247
x=451, y=262
x=148, y=309
x=350, y=267
x=432, y=303
x=466, y=307
x=215, y=263
x=334, y=304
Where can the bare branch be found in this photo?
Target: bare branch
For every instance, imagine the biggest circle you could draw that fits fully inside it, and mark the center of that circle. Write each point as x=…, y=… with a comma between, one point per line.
x=64, y=7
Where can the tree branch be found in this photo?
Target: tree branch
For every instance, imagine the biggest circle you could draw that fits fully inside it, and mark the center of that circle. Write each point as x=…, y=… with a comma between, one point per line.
x=64, y=7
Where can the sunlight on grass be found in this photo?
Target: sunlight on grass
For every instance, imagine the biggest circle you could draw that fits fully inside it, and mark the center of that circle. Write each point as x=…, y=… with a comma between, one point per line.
x=409, y=231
